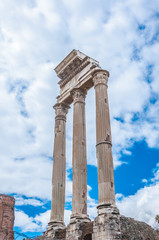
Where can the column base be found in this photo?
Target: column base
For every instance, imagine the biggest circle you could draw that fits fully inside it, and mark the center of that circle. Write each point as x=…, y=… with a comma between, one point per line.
x=54, y=227
x=74, y=229
x=79, y=218
x=106, y=225
x=107, y=208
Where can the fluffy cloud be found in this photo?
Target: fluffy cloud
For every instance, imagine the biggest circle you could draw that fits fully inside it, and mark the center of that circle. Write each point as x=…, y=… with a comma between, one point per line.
x=26, y=223
x=20, y=201
x=142, y=206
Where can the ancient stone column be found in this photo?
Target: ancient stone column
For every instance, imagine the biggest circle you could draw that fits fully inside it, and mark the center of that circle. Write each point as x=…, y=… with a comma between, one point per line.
x=106, y=225
x=106, y=193
x=59, y=170
x=79, y=201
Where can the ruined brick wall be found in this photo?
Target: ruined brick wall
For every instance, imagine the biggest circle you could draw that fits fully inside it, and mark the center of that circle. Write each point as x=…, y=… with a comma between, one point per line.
x=6, y=217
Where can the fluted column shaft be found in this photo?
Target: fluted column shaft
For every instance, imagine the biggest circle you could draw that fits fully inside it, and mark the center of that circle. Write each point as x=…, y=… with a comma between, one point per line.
x=59, y=165
x=79, y=201
x=106, y=192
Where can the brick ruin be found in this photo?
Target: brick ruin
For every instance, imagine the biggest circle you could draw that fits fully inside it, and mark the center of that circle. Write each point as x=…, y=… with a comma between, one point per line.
x=6, y=217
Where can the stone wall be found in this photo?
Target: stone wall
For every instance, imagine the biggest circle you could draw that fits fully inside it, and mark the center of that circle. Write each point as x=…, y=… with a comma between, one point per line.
x=130, y=229
x=6, y=217
x=135, y=230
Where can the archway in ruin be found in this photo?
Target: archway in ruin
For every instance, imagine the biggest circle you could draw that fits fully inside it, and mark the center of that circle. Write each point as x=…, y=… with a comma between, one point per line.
x=88, y=237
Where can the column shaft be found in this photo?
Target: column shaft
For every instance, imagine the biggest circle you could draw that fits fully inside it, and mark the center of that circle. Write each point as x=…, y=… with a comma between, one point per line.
x=79, y=202
x=106, y=192
x=59, y=165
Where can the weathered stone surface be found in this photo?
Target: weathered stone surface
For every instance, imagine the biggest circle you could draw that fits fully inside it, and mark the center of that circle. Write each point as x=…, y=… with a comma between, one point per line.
x=75, y=71
x=106, y=192
x=130, y=230
x=6, y=217
x=79, y=230
x=79, y=200
x=59, y=171
x=85, y=230
x=61, y=234
x=135, y=230
x=106, y=225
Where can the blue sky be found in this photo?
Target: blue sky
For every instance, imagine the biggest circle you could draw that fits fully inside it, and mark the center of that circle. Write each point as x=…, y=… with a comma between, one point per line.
x=35, y=35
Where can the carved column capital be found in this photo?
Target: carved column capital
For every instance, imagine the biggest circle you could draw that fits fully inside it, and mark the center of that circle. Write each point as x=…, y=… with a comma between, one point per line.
x=61, y=109
x=78, y=95
x=100, y=77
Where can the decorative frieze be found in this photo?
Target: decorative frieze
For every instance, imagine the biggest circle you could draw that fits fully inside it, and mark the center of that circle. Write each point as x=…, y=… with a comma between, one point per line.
x=72, y=70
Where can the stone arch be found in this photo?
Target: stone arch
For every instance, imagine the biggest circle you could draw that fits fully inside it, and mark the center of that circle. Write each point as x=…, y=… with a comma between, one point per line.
x=87, y=237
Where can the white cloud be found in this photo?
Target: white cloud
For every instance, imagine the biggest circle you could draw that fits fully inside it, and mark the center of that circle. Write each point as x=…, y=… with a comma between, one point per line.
x=38, y=223
x=31, y=177
x=144, y=202
x=26, y=223
x=42, y=220
x=156, y=174
x=20, y=201
x=144, y=180
x=67, y=216
x=143, y=205
x=126, y=152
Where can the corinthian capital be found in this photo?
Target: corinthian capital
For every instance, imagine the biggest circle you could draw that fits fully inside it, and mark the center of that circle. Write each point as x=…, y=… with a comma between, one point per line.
x=61, y=109
x=78, y=95
x=100, y=77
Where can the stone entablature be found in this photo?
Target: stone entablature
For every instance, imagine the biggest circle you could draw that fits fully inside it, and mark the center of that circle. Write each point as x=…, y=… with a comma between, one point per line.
x=75, y=71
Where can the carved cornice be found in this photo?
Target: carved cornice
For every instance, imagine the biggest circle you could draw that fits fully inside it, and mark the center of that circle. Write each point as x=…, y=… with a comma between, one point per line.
x=100, y=77
x=67, y=59
x=74, y=68
x=78, y=95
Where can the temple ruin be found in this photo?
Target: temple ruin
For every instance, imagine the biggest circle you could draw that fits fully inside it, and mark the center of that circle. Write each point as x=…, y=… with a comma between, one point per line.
x=78, y=73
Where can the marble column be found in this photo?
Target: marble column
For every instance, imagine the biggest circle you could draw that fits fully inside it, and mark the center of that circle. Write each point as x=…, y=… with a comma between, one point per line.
x=106, y=225
x=59, y=169
x=79, y=201
x=106, y=192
